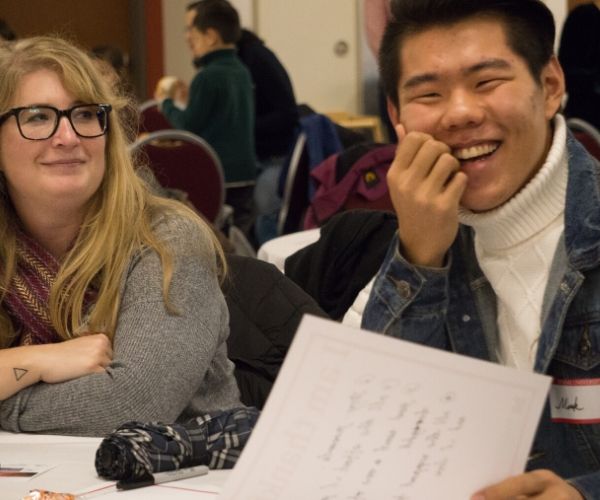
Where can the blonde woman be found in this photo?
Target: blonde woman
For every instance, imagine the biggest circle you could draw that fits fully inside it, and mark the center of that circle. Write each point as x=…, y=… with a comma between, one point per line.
x=111, y=308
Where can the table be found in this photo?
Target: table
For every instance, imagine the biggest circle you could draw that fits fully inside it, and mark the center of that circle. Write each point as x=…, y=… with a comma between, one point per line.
x=278, y=249
x=370, y=123
x=70, y=461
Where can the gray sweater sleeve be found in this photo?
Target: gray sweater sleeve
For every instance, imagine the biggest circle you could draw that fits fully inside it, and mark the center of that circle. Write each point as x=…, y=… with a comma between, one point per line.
x=164, y=365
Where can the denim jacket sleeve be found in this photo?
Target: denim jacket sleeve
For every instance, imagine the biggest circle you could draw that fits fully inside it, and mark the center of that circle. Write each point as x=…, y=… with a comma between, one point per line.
x=409, y=302
x=588, y=485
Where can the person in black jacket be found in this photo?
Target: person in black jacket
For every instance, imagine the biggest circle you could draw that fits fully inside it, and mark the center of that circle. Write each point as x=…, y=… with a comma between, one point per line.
x=276, y=120
x=351, y=248
x=6, y=33
x=579, y=55
x=275, y=104
x=265, y=309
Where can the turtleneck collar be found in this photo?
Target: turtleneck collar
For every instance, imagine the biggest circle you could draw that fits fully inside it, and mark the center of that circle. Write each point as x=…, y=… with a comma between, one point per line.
x=213, y=55
x=535, y=206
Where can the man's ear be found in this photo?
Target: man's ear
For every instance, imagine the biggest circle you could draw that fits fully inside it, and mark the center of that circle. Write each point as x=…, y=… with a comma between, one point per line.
x=553, y=85
x=213, y=36
x=392, y=111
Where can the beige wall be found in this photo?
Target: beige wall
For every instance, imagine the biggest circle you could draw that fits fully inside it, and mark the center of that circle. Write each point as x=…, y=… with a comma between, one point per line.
x=559, y=9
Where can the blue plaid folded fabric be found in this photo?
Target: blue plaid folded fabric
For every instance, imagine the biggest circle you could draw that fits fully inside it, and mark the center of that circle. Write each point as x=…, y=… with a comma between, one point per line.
x=137, y=449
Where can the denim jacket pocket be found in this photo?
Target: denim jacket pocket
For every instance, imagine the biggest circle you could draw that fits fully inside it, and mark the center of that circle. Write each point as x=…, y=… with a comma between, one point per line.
x=577, y=360
x=579, y=350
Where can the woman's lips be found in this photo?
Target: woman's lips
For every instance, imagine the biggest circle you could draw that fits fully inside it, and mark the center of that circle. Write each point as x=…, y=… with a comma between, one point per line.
x=63, y=161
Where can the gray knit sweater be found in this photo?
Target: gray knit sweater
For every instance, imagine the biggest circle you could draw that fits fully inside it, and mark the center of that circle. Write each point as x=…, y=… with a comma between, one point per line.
x=165, y=367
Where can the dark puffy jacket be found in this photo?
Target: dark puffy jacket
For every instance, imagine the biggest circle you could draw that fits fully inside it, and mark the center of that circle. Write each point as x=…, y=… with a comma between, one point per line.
x=334, y=269
x=265, y=308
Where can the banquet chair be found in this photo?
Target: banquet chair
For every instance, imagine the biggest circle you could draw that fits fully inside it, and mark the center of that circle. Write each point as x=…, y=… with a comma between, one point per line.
x=587, y=134
x=151, y=119
x=184, y=161
x=295, y=191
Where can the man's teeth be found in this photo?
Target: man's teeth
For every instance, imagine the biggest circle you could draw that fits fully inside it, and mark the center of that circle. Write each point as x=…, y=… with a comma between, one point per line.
x=475, y=151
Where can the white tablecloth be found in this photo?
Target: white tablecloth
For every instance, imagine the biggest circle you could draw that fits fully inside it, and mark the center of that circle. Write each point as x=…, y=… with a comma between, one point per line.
x=70, y=468
x=278, y=249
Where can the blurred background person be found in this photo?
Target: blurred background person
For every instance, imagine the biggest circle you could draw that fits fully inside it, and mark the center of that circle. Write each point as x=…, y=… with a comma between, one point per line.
x=118, y=61
x=219, y=105
x=275, y=123
x=6, y=33
x=113, y=64
x=579, y=55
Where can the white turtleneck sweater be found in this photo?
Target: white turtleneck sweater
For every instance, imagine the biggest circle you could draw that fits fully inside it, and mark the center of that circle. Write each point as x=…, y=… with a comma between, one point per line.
x=515, y=245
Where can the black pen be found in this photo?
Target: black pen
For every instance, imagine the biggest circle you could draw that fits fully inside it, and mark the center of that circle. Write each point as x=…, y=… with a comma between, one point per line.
x=163, y=477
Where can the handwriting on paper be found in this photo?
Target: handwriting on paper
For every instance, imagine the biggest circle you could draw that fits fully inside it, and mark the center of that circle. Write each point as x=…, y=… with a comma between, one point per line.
x=425, y=437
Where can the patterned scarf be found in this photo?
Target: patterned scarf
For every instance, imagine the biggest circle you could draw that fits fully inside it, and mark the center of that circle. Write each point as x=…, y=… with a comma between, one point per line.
x=27, y=300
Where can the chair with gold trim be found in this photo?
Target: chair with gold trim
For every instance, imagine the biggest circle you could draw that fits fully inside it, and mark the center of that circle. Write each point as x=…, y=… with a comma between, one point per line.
x=184, y=161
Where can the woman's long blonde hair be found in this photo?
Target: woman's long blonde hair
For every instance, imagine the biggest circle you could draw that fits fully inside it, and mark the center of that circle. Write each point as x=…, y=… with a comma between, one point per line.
x=118, y=219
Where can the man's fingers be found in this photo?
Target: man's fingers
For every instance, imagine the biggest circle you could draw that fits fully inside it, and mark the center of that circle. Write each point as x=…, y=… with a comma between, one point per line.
x=456, y=186
x=443, y=171
x=538, y=482
x=408, y=149
x=425, y=164
x=510, y=488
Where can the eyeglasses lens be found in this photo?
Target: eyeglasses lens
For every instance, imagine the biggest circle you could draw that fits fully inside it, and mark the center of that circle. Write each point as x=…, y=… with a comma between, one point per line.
x=41, y=122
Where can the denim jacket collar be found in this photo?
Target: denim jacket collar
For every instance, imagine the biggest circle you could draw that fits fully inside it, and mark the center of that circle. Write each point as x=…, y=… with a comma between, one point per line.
x=582, y=210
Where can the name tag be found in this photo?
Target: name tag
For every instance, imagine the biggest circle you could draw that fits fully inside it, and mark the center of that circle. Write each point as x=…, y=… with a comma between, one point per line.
x=575, y=401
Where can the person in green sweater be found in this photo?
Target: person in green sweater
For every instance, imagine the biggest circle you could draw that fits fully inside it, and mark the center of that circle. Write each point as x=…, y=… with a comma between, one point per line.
x=219, y=105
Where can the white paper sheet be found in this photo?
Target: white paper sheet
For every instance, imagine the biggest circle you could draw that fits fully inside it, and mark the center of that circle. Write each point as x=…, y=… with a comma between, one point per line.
x=360, y=416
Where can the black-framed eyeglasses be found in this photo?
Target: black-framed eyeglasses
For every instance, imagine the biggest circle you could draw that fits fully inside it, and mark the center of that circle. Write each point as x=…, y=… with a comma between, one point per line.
x=37, y=123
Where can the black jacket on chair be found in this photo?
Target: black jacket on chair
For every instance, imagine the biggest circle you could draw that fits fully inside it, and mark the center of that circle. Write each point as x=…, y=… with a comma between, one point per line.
x=349, y=252
x=265, y=308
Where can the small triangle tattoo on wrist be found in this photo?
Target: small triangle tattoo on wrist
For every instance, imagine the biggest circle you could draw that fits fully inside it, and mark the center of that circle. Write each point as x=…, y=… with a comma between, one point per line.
x=19, y=373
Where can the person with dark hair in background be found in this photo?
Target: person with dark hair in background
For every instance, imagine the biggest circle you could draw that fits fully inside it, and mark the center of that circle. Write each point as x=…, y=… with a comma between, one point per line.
x=219, y=104
x=579, y=55
x=6, y=33
x=276, y=120
x=497, y=252
x=275, y=105
x=118, y=60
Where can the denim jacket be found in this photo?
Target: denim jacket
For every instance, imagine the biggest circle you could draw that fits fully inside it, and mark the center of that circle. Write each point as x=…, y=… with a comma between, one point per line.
x=454, y=308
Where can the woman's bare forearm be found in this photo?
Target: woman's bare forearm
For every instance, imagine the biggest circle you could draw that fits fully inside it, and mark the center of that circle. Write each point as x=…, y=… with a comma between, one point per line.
x=19, y=368
x=23, y=366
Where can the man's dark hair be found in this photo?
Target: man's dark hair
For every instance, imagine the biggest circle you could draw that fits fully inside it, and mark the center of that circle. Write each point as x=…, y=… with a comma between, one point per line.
x=528, y=24
x=112, y=55
x=219, y=15
x=5, y=32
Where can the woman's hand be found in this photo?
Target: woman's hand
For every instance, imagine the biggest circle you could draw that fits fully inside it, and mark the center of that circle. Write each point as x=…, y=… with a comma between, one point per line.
x=74, y=358
x=26, y=365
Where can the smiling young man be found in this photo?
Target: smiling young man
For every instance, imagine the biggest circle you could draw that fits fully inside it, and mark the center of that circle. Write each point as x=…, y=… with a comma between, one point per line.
x=497, y=254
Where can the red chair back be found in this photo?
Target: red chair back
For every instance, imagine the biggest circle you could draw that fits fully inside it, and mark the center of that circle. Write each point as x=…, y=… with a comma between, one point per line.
x=151, y=119
x=184, y=161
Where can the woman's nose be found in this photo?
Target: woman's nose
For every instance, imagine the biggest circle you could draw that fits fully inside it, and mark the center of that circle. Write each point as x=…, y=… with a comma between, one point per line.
x=65, y=134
